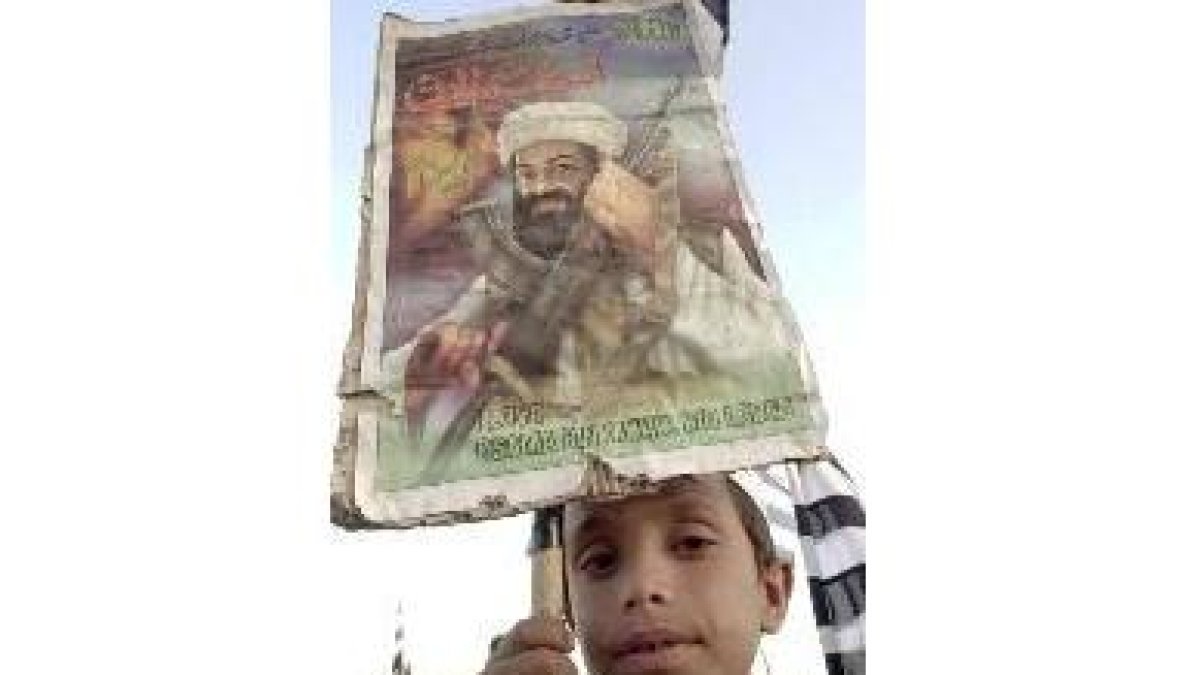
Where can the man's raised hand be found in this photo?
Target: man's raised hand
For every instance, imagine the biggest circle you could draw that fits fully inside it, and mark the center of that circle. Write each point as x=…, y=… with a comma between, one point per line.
x=449, y=356
x=625, y=207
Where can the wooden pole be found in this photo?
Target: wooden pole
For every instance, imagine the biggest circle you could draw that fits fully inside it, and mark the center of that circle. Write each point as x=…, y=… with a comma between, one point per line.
x=546, y=586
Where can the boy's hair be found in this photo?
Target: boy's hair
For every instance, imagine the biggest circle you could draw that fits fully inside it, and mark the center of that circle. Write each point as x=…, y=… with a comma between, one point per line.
x=755, y=523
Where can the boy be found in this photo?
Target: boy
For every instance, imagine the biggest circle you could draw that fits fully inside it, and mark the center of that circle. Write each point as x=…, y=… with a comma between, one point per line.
x=684, y=580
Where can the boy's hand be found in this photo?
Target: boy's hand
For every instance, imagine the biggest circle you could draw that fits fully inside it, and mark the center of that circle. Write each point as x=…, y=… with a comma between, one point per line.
x=535, y=646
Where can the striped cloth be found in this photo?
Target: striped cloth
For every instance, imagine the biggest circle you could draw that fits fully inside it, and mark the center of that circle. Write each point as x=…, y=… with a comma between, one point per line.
x=813, y=506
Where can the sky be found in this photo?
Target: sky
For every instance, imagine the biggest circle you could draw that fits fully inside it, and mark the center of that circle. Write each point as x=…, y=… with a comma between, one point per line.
x=794, y=81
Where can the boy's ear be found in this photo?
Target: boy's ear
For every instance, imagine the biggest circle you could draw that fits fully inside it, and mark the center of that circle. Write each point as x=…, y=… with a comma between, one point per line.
x=776, y=579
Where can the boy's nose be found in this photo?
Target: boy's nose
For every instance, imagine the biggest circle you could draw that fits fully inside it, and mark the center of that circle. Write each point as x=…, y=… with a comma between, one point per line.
x=636, y=600
x=647, y=582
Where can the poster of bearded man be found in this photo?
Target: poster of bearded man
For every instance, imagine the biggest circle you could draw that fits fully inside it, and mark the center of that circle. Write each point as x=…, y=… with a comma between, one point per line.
x=562, y=288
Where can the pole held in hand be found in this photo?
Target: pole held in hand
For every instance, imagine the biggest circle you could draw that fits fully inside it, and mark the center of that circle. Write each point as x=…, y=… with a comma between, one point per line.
x=547, y=557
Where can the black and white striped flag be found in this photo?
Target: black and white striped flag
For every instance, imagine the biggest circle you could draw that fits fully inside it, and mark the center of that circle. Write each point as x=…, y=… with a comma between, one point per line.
x=813, y=506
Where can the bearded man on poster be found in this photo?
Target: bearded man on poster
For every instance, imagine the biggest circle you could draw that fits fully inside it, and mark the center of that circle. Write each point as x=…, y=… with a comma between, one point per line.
x=588, y=295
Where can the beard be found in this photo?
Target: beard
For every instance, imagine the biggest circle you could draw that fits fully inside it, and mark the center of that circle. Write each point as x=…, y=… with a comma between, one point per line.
x=543, y=223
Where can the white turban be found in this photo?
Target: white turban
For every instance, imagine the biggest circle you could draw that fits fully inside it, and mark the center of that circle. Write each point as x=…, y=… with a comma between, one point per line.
x=577, y=121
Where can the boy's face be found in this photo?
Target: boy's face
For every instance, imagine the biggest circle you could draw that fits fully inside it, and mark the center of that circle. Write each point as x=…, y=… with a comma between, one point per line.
x=669, y=583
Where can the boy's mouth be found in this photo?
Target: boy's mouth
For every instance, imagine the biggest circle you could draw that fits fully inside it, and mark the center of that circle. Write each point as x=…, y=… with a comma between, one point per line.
x=654, y=648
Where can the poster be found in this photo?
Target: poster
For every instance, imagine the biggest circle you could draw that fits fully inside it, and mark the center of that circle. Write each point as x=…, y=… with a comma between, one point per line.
x=561, y=287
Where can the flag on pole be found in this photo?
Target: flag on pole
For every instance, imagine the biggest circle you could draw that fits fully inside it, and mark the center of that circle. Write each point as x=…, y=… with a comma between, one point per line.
x=813, y=508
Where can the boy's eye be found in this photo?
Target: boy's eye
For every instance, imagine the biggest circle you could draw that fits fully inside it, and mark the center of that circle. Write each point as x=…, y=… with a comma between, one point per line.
x=693, y=544
x=598, y=562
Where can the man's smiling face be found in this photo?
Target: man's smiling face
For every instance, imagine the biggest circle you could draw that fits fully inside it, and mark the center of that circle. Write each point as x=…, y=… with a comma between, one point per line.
x=669, y=583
